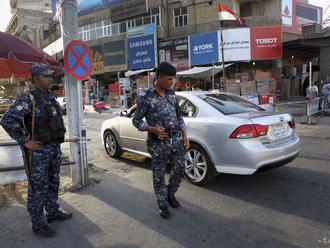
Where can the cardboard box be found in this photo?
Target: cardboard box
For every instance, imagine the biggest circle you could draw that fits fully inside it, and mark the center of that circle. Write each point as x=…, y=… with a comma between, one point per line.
x=248, y=88
x=262, y=75
x=263, y=87
x=233, y=87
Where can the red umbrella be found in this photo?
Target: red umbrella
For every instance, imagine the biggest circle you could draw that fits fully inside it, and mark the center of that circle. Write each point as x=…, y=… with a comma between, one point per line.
x=17, y=56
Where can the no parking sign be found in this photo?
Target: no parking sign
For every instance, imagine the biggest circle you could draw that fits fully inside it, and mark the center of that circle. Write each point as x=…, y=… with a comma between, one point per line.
x=78, y=60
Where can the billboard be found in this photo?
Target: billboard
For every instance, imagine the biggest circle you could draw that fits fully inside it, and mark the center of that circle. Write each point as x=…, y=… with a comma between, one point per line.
x=266, y=43
x=237, y=45
x=141, y=52
x=307, y=13
x=97, y=59
x=175, y=51
x=114, y=53
x=121, y=8
x=142, y=47
x=301, y=13
x=287, y=12
x=203, y=48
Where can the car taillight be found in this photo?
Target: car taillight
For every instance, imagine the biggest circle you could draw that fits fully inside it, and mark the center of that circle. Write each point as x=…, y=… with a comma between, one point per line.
x=292, y=124
x=249, y=131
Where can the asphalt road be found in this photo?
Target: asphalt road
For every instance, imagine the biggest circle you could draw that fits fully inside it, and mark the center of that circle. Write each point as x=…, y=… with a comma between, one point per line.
x=286, y=207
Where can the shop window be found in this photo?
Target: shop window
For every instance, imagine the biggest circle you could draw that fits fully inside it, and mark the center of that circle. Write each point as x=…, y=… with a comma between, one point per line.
x=180, y=17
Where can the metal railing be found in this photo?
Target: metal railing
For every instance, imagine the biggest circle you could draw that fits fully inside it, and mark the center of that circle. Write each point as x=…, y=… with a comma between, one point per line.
x=20, y=158
x=304, y=109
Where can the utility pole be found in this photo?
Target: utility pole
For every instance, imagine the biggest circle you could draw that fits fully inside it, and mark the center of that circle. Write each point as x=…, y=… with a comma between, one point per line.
x=73, y=92
x=223, y=56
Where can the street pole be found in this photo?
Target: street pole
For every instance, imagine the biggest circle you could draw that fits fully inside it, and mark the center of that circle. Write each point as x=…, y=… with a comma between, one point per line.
x=223, y=58
x=73, y=92
x=213, y=76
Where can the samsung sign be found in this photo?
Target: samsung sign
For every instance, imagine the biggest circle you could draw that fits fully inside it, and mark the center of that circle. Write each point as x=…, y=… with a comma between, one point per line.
x=203, y=49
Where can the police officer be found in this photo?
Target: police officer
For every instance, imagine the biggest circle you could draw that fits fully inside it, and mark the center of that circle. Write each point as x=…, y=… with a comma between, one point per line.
x=55, y=90
x=167, y=136
x=43, y=150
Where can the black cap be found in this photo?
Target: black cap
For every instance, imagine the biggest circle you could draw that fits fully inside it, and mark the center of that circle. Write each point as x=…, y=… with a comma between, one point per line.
x=166, y=69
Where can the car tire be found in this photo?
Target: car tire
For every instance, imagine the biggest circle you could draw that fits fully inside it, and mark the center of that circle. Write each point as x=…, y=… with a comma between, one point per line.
x=199, y=168
x=111, y=145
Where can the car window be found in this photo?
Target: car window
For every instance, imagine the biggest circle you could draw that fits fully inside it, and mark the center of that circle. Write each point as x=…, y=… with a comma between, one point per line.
x=229, y=104
x=188, y=109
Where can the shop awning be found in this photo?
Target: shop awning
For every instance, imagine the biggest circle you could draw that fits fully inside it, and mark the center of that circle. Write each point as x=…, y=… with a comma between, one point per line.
x=132, y=73
x=201, y=72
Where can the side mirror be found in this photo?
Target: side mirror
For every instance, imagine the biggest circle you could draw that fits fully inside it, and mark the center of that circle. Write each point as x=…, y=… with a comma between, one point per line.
x=190, y=113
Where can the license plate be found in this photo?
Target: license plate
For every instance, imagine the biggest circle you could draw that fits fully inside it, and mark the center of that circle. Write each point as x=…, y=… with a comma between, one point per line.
x=279, y=130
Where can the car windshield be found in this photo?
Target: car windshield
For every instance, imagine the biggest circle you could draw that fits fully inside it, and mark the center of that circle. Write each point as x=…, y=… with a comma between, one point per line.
x=229, y=104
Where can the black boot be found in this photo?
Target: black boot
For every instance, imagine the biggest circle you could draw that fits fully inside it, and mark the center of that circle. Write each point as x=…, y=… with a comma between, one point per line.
x=172, y=201
x=59, y=215
x=164, y=212
x=44, y=231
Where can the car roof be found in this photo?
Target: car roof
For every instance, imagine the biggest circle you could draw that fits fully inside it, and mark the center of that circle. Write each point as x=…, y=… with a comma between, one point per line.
x=199, y=93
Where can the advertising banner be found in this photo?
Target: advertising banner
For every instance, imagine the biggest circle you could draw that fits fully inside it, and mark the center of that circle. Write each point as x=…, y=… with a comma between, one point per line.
x=266, y=43
x=115, y=56
x=204, y=48
x=121, y=8
x=175, y=51
x=237, y=45
x=287, y=12
x=141, y=52
x=97, y=59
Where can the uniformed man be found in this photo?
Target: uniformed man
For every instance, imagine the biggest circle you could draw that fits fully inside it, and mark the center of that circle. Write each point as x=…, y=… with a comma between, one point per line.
x=55, y=90
x=167, y=136
x=43, y=150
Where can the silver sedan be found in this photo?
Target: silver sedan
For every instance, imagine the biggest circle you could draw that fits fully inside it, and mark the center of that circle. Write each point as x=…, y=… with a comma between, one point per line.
x=227, y=135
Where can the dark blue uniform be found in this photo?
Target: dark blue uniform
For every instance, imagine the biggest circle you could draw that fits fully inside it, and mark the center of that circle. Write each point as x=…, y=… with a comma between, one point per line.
x=163, y=112
x=46, y=160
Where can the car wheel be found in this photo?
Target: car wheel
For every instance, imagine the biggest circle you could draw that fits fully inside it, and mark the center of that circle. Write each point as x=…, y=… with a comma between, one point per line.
x=111, y=145
x=199, y=168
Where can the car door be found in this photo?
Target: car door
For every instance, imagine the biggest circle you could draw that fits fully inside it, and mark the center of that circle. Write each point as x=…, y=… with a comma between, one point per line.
x=132, y=138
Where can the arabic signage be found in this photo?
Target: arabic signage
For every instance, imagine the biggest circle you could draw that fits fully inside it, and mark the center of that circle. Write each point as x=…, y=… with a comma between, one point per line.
x=141, y=52
x=204, y=48
x=237, y=45
x=175, y=51
x=142, y=47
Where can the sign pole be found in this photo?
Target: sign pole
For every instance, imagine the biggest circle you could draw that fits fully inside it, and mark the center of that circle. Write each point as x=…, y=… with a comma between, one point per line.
x=69, y=29
x=223, y=57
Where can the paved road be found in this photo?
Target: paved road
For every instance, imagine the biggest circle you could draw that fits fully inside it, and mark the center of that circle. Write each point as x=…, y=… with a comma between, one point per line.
x=287, y=207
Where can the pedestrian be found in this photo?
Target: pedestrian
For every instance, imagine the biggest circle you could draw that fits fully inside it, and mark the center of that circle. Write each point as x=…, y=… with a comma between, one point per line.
x=325, y=93
x=35, y=122
x=167, y=135
x=55, y=90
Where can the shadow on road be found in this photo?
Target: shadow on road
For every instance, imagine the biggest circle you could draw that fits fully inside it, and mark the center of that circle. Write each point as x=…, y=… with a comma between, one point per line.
x=296, y=191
